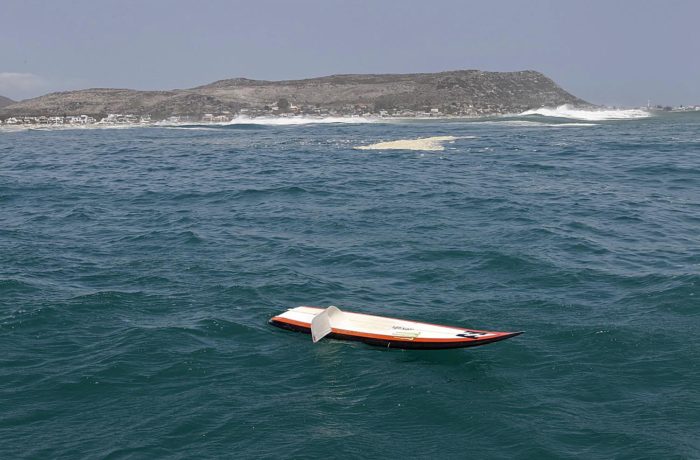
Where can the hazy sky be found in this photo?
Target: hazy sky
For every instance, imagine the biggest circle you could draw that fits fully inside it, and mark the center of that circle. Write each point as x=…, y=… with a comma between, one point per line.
x=608, y=52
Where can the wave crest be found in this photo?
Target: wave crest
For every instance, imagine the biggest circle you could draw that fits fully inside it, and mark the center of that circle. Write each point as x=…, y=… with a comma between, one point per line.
x=300, y=120
x=567, y=111
x=246, y=121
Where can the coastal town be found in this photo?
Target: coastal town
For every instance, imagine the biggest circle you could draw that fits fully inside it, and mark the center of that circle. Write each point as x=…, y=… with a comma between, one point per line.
x=223, y=118
x=281, y=108
x=77, y=120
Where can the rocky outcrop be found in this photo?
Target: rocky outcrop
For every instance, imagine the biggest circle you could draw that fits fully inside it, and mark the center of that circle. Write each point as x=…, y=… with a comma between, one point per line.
x=464, y=92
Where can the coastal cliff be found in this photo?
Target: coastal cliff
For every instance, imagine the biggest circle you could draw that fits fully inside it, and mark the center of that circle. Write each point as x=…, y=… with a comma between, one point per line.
x=462, y=92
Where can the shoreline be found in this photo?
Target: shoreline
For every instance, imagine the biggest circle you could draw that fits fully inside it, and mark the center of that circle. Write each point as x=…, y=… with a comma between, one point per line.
x=116, y=121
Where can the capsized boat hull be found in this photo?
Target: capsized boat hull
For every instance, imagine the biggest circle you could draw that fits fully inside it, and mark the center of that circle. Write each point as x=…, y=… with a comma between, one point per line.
x=389, y=332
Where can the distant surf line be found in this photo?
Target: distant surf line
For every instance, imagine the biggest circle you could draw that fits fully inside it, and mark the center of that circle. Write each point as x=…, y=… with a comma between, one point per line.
x=603, y=114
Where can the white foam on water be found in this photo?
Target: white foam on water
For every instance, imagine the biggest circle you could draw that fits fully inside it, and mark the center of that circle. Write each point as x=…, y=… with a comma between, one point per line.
x=566, y=125
x=531, y=124
x=198, y=125
x=267, y=121
x=190, y=127
x=16, y=128
x=433, y=144
x=567, y=111
x=285, y=121
x=13, y=128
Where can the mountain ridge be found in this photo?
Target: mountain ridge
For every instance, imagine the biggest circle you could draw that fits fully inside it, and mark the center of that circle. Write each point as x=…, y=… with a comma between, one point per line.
x=5, y=101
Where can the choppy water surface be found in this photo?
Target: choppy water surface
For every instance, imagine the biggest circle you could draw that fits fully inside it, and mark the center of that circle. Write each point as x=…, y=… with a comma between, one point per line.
x=138, y=269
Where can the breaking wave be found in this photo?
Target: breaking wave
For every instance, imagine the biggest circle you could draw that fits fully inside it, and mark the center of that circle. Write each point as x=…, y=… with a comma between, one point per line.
x=567, y=111
x=19, y=128
x=532, y=124
x=243, y=121
x=283, y=121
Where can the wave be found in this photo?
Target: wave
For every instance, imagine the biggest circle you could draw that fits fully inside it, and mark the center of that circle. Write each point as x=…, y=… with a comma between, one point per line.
x=567, y=111
x=435, y=143
x=533, y=124
x=300, y=120
x=13, y=128
x=240, y=122
x=190, y=127
x=269, y=121
x=20, y=128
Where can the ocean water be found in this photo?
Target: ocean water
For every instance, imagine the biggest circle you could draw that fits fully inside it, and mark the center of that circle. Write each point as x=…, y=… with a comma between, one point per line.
x=139, y=267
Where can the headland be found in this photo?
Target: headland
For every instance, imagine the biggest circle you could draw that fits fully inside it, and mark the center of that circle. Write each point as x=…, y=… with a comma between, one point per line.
x=464, y=93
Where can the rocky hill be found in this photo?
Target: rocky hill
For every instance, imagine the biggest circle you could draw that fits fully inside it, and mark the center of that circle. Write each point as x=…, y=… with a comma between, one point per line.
x=465, y=92
x=5, y=101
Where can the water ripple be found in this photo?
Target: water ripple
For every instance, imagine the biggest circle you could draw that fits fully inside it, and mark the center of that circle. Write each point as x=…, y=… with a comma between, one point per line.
x=139, y=267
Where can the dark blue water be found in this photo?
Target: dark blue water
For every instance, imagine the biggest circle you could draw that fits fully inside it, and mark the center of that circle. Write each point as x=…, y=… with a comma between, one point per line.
x=138, y=269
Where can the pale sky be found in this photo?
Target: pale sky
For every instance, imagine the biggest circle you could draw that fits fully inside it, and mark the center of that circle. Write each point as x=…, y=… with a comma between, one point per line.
x=607, y=52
